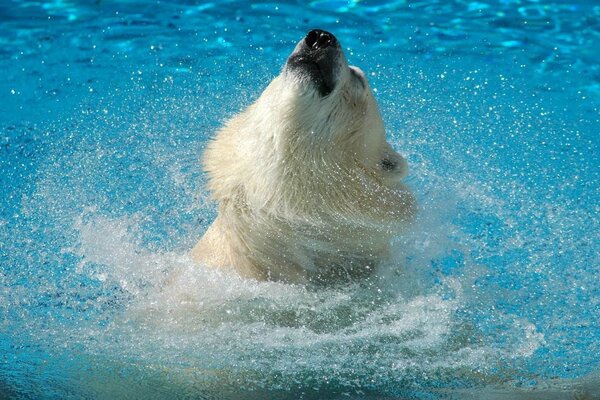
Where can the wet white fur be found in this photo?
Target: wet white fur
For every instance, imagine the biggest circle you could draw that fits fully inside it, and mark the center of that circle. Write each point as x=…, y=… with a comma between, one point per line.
x=301, y=191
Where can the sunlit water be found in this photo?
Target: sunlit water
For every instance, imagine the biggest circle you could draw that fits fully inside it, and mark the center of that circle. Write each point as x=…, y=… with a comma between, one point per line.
x=105, y=108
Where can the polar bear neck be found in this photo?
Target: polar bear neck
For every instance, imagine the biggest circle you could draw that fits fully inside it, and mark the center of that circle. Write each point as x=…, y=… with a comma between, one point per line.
x=304, y=160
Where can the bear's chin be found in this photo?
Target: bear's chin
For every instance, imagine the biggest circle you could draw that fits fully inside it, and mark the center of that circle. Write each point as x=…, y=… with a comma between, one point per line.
x=319, y=76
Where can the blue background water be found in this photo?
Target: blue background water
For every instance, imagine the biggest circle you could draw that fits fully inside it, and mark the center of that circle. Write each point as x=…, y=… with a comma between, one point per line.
x=106, y=107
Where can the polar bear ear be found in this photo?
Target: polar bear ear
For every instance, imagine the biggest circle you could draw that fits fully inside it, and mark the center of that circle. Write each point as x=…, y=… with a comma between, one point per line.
x=393, y=165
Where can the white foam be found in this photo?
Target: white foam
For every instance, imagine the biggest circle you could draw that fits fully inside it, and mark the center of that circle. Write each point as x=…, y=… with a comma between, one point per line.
x=185, y=316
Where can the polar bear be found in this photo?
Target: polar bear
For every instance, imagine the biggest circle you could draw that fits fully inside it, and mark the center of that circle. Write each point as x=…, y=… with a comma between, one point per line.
x=308, y=189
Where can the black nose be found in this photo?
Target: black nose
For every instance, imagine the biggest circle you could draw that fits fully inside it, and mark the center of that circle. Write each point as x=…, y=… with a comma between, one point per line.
x=318, y=39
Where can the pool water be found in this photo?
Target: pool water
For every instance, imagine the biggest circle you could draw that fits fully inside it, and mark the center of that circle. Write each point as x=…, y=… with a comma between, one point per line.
x=106, y=107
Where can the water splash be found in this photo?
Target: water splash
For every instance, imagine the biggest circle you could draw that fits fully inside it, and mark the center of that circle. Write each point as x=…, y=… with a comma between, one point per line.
x=103, y=198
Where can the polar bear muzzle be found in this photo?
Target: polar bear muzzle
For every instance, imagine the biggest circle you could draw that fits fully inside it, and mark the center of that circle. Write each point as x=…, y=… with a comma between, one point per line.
x=316, y=59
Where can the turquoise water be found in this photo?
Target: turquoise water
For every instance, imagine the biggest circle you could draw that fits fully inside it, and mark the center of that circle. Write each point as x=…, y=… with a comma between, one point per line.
x=105, y=108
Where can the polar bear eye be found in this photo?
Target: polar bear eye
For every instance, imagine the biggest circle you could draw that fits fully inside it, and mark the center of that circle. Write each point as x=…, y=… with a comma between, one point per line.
x=388, y=165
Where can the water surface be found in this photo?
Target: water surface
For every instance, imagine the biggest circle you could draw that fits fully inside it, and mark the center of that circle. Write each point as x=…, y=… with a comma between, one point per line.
x=106, y=107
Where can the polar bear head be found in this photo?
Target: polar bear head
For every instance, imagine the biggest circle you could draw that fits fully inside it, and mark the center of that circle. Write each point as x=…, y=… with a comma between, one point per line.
x=317, y=118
